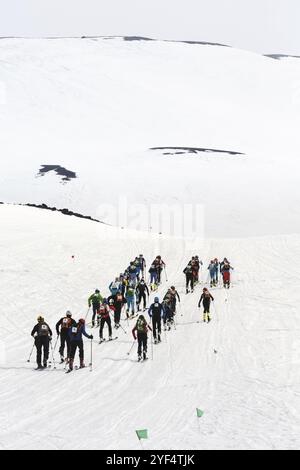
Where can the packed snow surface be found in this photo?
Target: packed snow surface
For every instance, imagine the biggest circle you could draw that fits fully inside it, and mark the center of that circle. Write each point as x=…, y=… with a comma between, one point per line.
x=79, y=121
x=242, y=369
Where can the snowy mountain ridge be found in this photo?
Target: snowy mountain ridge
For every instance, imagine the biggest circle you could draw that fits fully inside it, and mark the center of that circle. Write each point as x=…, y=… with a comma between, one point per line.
x=96, y=107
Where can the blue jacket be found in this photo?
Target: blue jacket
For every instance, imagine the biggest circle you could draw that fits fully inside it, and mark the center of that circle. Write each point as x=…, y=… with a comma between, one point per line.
x=81, y=331
x=156, y=309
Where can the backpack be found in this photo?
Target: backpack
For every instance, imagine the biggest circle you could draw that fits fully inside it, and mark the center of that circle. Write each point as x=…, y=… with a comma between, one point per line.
x=66, y=323
x=102, y=310
x=43, y=330
x=130, y=291
x=141, y=325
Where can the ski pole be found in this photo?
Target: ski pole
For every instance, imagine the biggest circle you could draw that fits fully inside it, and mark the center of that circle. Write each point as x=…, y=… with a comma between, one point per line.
x=54, y=346
x=123, y=328
x=91, y=363
x=28, y=360
x=56, y=342
x=131, y=348
x=166, y=273
x=54, y=365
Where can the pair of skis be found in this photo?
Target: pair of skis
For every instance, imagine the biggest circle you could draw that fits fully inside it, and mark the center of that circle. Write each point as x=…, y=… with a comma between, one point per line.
x=104, y=340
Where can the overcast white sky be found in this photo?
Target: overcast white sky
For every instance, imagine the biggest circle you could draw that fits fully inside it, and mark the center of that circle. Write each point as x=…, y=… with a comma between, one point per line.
x=265, y=26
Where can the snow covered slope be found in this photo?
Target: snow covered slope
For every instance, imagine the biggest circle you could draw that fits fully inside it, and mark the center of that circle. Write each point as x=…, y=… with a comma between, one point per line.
x=96, y=106
x=249, y=388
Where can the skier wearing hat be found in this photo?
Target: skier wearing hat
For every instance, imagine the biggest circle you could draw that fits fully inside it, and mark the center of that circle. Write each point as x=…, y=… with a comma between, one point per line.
x=206, y=298
x=130, y=299
x=65, y=323
x=95, y=301
x=225, y=269
x=159, y=266
x=142, y=263
x=156, y=312
x=76, y=332
x=104, y=312
x=42, y=335
x=141, y=291
x=171, y=297
x=189, y=276
x=140, y=332
x=153, y=277
x=118, y=302
x=213, y=273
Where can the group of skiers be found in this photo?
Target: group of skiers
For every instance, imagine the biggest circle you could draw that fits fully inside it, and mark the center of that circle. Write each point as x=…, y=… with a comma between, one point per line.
x=215, y=267
x=192, y=273
x=129, y=290
x=70, y=333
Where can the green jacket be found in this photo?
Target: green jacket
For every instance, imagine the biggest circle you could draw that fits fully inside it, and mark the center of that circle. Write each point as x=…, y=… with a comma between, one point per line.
x=95, y=299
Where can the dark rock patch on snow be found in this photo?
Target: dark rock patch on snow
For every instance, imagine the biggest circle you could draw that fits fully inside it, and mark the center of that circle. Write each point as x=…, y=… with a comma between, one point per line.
x=63, y=211
x=202, y=43
x=192, y=150
x=282, y=56
x=59, y=170
x=137, y=38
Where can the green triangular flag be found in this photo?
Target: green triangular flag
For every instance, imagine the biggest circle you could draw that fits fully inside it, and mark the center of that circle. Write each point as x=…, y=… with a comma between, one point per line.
x=200, y=413
x=142, y=434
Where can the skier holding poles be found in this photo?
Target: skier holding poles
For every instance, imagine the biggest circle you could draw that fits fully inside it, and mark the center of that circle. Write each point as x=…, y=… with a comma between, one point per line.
x=206, y=298
x=140, y=332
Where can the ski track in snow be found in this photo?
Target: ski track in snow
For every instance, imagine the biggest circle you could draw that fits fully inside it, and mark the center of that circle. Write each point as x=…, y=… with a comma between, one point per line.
x=249, y=389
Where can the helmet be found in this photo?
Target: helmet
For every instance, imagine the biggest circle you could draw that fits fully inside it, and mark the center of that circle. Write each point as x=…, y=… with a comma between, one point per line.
x=104, y=301
x=141, y=256
x=172, y=287
x=40, y=319
x=156, y=299
x=205, y=289
x=158, y=257
x=68, y=313
x=82, y=320
x=97, y=291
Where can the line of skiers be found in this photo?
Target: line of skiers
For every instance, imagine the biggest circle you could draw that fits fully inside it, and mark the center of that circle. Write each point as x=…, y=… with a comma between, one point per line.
x=127, y=290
